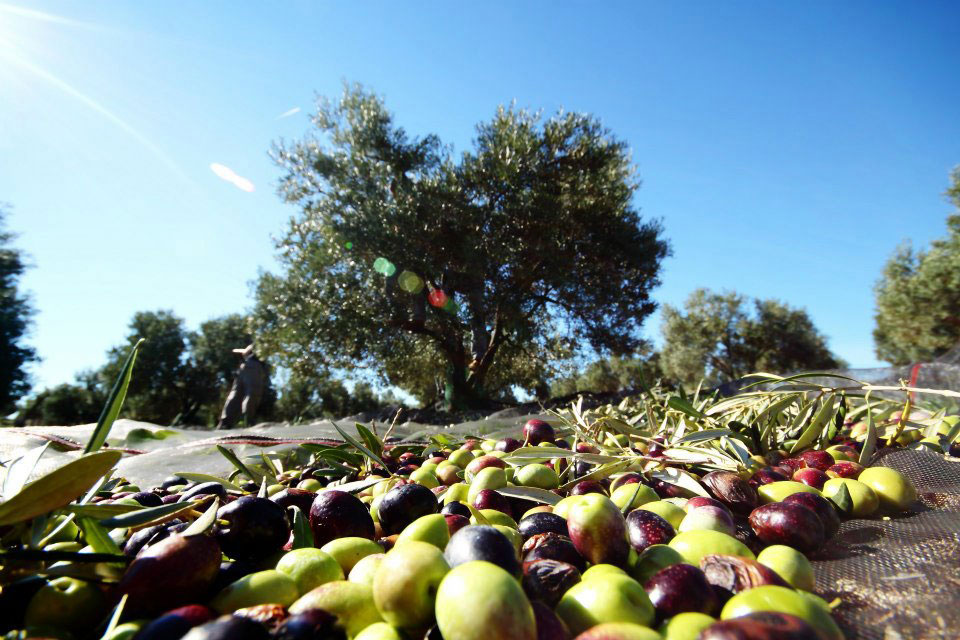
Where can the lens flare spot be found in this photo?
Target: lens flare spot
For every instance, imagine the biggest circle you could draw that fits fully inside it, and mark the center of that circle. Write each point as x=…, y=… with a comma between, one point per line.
x=384, y=267
x=437, y=298
x=348, y=245
x=410, y=282
x=450, y=306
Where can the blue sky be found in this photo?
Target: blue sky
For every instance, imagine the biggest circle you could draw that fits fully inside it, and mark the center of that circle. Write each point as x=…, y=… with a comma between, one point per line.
x=787, y=147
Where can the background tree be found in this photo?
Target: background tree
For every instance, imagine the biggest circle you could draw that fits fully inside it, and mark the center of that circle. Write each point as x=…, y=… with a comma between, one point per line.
x=159, y=390
x=608, y=375
x=715, y=339
x=66, y=404
x=15, y=314
x=487, y=262
x=918, y=296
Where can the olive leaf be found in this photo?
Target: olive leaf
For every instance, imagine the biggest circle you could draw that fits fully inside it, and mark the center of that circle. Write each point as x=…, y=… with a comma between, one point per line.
x=680, y=478
x=842, y=499
x=114, y=402
x=203, y=477
x=812, y=432
x=42, y=555
x=20, y=470
x=204, y=522
x=235, y=461
x=57, y=488
x=262, y=493
x=871, y=441
x=97, y=537
x=114, y=618
x=101, y=510
x=530, y=493
x=302, y=533
x=151, y=515
x=359, y=485
x=682, y=404
x=358, y=446
x=479, y=517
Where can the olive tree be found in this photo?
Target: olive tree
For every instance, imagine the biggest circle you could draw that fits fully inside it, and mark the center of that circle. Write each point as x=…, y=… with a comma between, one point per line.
x=480, y=268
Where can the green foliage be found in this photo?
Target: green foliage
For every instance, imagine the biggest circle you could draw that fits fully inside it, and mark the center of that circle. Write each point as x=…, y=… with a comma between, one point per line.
x=159, y=392
x=531, y=236
x=15, y=314
x=323, y=396
x=65, y=404
x=610, y=375
x=715, y=338
x=918, y=296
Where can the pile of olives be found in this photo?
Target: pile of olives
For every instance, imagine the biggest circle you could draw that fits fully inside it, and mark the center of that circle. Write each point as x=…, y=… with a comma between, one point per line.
x=476, y=543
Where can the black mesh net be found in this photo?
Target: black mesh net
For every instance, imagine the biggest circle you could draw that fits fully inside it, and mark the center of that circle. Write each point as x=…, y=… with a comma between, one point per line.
x=898, y=577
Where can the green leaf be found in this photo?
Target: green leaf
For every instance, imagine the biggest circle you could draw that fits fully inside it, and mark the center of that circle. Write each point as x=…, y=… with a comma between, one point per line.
x=870, y=443
x=372, y=441
x=101, y=510
x=20, y=470
x=57, y=488
x=41, y=555
x=599, y=473
x=358, y=485
x=706, y=434
x=479, y=517
x=235, y=461
x=271, y=469
x=262, y=493
x=357, y=445
x=150, y=516
x=204, y=522
x=682, y=404
x=302, y=533
x=115, y=618
x=681, y=479
x=203, y=477
x=843, y=500
x=812, y=432
x=114, y=402
x=97, y=537
x=530, y=493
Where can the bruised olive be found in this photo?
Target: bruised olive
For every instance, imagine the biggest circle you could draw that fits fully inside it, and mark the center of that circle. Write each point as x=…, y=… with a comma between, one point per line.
x=552, y=546
x=732, y=490
x=548, y=580
x=730, y=575
x=763, y=625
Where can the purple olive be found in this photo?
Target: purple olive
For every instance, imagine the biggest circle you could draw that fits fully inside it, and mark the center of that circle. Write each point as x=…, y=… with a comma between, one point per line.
x=679, y=588
x=256, y=528
x=490, y=499
x=176, y=623
x=508, y=444
x=292, y=497
x=645, y=528
x=228, y=628
x=537, y=431
x=400, y=506
x=542, y=522
x=549, y=625
x=456, y=508
x=337, y=514
x=587, y=486
x=822, y=507
x=482, y=542
x=790, y=524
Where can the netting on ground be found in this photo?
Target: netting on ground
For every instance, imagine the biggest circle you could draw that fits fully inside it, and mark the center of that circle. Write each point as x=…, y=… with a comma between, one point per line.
x=898, y=578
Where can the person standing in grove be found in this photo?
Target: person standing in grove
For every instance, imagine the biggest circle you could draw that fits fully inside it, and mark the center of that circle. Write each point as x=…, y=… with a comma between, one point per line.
x=246, y=392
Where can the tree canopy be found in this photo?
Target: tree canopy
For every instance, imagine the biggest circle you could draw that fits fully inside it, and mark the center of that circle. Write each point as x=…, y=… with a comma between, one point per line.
x=918, y=296
x=716, y=338
x=15, y=314
x=484, y=268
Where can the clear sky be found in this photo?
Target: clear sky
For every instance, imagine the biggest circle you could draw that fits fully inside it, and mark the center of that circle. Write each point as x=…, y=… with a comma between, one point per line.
x=788, y=147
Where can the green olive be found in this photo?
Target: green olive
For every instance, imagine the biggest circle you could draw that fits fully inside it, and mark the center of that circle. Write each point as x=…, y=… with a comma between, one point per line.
x=666, y=510
x=685, y=626
x=777, y=491
x=894, y=490
x=783, y=600
x=864, y=499
x=693, y=545
x=789, y=564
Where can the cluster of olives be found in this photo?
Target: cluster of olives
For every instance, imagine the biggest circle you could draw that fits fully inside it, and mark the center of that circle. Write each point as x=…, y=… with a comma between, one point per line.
x=442, y=549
